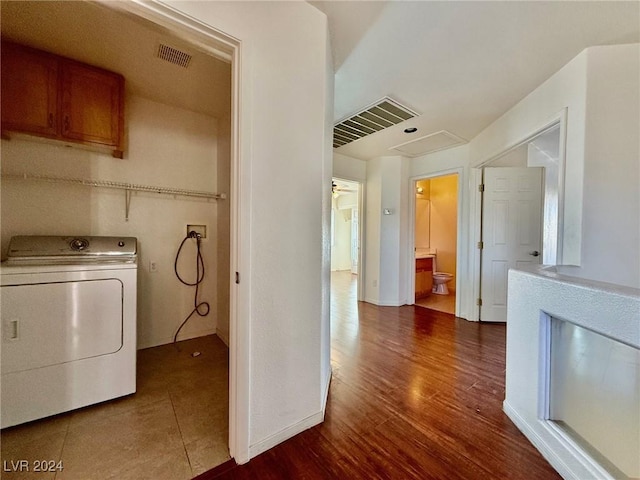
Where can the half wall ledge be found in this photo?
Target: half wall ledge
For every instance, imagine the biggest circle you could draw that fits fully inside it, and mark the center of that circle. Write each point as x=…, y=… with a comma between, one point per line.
x=539, y=299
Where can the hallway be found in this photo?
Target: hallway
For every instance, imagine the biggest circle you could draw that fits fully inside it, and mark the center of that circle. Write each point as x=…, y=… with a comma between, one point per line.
x=414, y=394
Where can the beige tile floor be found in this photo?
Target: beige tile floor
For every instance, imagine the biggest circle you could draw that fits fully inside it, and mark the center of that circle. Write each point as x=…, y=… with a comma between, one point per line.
x=174, y=427
x=441, y=303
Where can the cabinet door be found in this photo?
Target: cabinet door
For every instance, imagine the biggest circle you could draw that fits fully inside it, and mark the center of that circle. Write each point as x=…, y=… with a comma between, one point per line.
x=91, y=105
x=29, y=90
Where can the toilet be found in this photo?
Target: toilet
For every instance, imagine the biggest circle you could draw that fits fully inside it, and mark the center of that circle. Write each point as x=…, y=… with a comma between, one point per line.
x=440, y=280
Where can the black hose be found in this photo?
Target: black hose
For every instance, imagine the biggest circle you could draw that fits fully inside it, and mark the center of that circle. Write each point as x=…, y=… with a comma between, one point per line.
x=199, y=279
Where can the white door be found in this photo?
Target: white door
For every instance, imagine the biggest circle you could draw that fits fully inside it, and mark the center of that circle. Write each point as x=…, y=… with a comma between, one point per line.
x=355, y=240
x=511, y=232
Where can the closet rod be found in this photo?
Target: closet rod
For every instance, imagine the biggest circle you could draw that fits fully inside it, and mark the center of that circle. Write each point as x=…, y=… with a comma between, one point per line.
x=123, y=186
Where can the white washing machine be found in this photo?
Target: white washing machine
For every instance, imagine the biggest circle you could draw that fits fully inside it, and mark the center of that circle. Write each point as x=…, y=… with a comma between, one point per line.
x=68, y=314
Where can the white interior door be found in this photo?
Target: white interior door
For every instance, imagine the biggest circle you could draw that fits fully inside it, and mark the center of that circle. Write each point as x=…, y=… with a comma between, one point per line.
x=511, y=232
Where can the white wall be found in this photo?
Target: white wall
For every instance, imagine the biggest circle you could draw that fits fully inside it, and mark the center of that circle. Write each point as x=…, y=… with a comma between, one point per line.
x=327, y=175
x=282, y=232
x=387, y=235
x=566, y=89
x=373, y=213
x=611, y=218
x=166, y=146
x=599, y=89
x=349, y=168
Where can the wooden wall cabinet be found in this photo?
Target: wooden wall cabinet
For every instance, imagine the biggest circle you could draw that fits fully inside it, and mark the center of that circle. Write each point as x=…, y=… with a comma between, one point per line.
x=53, y=97
x=424, y=277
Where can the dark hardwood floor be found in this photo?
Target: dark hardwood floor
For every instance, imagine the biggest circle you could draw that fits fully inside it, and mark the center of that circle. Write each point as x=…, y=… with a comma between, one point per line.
x=415, y=394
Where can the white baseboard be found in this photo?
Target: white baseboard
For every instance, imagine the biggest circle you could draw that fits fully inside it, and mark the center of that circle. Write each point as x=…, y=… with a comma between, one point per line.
x=383, y=304
x=224, y=336
x=326, y=393
x=273, y=440
x=185, y=336
x=564, y=455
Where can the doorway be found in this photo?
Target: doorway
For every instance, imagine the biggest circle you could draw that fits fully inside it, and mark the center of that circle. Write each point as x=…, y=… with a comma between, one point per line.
x=534, y=168
x=435, y=242
x=194, y=427
x=346, y=234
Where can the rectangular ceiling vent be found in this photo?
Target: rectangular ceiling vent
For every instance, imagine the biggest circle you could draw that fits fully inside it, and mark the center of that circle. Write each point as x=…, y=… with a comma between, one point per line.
x=173, y=55
x=383, y=114
x=429, y=143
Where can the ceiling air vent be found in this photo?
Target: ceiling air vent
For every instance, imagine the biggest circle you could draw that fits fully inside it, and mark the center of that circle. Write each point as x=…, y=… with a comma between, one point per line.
x=173, y=55
x=384, y=114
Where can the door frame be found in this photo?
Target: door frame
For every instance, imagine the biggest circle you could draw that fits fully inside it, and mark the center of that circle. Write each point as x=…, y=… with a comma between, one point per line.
x=475, y=220
x=225, y=47
x=461, y=288
x=361, y=230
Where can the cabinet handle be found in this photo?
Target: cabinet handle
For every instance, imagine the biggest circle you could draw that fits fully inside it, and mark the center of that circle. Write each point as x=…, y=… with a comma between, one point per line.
x=66, y=123
x=51, y=119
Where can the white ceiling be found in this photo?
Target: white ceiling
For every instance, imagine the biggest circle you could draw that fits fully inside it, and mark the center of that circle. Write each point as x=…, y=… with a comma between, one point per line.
x=459, y=64
x=115, y=41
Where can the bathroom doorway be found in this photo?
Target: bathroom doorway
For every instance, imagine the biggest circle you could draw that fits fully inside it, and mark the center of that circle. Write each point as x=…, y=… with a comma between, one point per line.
x=435, y=242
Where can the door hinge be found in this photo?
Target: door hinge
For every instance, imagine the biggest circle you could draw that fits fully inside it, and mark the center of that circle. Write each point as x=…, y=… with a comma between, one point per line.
x=480, y=245
x=479, y=302
x=481, y=187
x=237, y=277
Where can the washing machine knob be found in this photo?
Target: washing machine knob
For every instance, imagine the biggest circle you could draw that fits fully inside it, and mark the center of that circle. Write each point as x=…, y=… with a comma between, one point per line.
x=79, y=244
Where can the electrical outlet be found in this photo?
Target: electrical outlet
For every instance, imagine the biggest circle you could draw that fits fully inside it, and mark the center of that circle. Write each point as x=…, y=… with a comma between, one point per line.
x=153, y=266
x=199, y=229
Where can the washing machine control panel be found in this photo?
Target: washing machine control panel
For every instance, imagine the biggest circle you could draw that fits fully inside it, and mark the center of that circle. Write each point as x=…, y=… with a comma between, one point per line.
x=39, y=249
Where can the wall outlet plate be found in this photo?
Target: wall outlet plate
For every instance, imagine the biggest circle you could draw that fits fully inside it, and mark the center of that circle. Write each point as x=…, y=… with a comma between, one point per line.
x=199, y=229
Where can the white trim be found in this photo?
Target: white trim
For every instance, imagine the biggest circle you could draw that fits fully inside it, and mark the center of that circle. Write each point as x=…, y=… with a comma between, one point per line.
x=557, y=445
x=547, y=452
x=207, y=38
x=226, y=47
x=550, y=123
x=222, y=336
x=361, y=231
x=544, y=367
x=240, y=295
x=325, y=397
x=475, y=234
x=384, y=304
x=279, y=437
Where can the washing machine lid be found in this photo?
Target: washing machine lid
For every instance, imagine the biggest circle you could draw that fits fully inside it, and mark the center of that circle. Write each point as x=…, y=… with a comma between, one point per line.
x=53, y=250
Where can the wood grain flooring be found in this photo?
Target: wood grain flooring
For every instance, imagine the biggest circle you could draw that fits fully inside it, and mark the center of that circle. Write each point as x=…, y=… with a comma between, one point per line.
x=415, y=394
